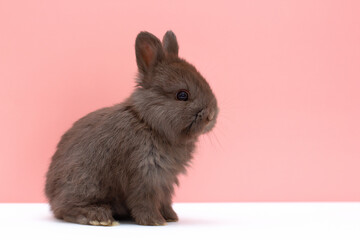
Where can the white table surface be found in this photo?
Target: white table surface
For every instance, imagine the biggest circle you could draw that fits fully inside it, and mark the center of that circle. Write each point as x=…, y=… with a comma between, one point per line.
x=198, y=221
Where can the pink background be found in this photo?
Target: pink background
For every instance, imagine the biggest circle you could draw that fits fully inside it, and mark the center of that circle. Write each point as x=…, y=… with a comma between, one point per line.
x=286, y=74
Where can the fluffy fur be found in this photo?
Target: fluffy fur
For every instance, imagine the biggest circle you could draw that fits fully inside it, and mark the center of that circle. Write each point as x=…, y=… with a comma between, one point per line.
x=124, y=160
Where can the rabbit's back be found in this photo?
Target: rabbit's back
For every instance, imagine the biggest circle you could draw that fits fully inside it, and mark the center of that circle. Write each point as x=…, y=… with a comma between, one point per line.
x=82, y=160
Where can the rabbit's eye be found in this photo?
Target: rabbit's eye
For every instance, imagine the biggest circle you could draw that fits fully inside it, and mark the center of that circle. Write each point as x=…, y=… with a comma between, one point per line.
x=182, y=95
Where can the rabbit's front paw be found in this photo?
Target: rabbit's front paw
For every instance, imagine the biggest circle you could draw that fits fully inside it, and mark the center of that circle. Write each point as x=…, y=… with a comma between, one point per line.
x=150, y=219
x=169, y=214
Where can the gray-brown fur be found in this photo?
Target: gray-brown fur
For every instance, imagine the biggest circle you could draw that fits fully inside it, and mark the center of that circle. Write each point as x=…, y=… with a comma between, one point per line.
x=124, y=160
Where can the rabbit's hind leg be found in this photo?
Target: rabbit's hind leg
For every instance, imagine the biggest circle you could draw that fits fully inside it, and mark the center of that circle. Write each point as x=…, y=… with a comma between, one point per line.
x=99, y=215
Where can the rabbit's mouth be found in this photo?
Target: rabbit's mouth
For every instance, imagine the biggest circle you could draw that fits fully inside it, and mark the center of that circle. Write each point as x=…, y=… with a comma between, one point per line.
x=203, y=121
x=189, y=128
x=193, y=127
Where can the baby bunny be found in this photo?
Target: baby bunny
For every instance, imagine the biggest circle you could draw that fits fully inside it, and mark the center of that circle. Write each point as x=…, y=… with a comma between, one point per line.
x=124, y=160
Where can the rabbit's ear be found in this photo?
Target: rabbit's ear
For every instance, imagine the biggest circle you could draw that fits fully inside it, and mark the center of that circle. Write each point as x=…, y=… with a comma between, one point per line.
x=170, y=43
x=148, y=50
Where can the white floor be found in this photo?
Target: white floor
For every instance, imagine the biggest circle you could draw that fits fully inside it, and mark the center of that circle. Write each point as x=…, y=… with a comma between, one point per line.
x=198, y=221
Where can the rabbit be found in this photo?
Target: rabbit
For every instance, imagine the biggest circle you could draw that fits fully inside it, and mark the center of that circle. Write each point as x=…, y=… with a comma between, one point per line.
x=123, y=161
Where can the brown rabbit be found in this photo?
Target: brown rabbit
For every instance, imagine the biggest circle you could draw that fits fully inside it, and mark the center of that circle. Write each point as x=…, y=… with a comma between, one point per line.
x=124, y=160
